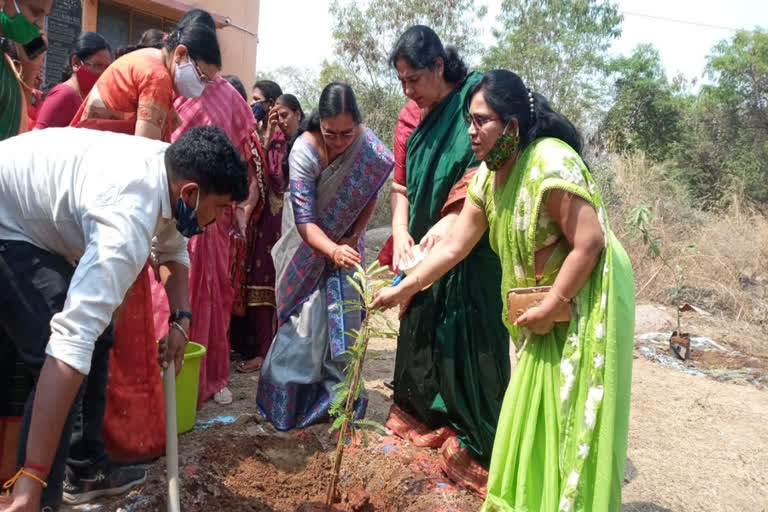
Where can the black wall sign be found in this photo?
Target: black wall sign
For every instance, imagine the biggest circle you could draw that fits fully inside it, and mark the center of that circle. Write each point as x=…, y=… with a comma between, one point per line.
x=62, y=26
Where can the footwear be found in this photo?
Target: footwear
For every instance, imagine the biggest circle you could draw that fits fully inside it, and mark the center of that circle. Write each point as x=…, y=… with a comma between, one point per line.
x=223, y=397
x=113, y=481
x=250, y=365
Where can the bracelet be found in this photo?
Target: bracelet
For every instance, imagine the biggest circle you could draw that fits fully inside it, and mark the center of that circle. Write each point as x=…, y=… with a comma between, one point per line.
x=560, y=297
x=23, y=472
x=177, y=325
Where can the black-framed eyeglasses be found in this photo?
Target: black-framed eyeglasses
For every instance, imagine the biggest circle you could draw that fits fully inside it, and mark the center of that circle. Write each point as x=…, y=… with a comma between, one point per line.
x=478, y=120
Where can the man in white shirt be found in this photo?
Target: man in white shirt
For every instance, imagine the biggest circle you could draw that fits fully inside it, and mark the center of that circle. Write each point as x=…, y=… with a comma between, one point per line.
x=80, y=213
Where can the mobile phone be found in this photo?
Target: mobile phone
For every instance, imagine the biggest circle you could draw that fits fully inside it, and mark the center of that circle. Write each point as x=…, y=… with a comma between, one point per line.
x=35, y=47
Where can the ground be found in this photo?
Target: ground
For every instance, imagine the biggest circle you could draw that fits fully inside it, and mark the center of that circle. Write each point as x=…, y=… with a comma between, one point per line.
x=698, y=440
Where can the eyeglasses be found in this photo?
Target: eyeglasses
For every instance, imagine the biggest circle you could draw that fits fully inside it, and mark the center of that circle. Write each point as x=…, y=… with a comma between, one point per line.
x=478, y=121
x=334, y=136
x=202, y=76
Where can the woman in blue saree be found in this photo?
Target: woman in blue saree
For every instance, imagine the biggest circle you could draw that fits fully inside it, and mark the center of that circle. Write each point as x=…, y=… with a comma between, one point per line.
x=336, y=169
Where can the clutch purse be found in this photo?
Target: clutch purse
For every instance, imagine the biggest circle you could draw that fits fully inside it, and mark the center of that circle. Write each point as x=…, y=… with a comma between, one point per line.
x=520, y=300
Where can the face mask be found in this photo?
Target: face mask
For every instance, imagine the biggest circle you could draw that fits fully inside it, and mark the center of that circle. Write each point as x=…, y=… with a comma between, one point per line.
x=188, y=84
x=186, y=220
x=86, y=79
x=258, y=110
x=18, y=28
x=503, y=151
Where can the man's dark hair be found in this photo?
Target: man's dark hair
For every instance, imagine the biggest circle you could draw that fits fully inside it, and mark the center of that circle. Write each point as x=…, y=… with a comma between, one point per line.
x=205, y=155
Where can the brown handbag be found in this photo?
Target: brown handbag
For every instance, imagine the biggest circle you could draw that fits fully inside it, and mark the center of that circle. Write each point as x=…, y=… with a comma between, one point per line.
x=520, y=300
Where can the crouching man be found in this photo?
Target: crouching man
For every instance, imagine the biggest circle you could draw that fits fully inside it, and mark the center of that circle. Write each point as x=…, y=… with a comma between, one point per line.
x=80, y=213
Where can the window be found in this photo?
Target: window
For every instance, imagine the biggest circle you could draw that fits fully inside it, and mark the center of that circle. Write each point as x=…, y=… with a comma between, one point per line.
x=122, y=26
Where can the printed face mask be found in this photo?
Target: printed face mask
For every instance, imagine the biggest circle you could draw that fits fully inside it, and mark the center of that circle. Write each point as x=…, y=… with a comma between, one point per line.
x=502, y=151
x=18, y=28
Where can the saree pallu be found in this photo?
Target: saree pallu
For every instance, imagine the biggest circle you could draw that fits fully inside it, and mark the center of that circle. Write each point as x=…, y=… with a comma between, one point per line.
x=452, y=361
x=562, y=437
x=13, y=114
x=254, y=320
x=307, y=357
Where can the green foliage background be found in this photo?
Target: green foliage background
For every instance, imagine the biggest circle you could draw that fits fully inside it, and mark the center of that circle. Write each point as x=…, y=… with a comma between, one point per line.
x=710, y=137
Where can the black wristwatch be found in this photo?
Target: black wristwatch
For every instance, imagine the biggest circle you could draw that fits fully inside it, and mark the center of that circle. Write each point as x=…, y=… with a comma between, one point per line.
x=178, y=315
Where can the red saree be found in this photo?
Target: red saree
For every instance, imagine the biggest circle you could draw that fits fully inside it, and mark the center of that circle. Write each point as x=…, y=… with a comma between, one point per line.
x=135, y=87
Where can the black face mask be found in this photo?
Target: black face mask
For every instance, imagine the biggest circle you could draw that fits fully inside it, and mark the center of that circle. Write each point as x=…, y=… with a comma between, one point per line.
x=258, y=110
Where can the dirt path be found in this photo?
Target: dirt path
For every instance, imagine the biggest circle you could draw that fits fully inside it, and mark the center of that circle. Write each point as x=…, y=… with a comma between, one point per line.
x=696, y=444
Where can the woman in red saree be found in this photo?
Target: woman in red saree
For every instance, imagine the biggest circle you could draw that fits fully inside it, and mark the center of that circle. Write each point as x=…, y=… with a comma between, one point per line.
x=135, y=96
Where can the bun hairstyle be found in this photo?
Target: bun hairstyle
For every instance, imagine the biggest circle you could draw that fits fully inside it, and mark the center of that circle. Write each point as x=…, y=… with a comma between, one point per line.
x=195, y=33
x=420, y=46
x=509, y=98
x=86, y=44
x=152, y=38
x=337, y=98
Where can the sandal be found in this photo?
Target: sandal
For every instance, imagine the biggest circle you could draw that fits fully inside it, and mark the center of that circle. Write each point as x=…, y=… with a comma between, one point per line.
x=250, y=365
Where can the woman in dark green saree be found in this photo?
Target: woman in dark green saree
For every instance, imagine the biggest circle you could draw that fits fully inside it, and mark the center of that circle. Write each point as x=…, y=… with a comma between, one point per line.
x=452, y=363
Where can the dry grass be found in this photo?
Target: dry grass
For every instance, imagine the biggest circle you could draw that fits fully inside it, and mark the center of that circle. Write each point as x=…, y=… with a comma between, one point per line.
x=716, y=260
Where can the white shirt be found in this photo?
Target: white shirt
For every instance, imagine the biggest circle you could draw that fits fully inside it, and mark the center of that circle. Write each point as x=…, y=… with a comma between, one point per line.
x=97, y=198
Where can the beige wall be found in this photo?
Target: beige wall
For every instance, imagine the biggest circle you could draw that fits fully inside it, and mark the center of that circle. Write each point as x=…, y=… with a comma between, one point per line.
x=238, y=47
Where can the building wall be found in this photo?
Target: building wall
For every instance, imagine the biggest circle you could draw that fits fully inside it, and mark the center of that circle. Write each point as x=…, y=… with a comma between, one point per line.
x=238, y=47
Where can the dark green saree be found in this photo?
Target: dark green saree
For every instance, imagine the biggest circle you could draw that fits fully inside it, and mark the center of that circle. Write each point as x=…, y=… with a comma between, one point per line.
x=452, y=363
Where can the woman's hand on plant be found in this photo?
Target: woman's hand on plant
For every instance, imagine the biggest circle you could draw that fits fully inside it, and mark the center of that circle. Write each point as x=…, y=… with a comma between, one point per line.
x=540, y=319
x=402, y=242
x=391, y=296
x=345, y=256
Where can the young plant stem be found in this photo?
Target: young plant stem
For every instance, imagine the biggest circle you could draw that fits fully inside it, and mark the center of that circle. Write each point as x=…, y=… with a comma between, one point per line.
x=348, y=412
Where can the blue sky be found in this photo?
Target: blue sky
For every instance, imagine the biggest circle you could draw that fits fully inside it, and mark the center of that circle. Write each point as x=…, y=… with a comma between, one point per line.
x=298, y=32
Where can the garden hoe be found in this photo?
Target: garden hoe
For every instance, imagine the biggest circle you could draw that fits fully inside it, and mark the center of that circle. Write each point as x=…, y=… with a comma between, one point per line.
x=171, y=438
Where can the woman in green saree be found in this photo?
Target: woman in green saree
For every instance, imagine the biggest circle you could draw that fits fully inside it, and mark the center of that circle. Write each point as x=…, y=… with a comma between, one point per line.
x=452, y=362
x=562, y=435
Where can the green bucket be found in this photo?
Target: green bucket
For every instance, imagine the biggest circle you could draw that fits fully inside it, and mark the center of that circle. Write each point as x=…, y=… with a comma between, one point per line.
x=187, y=386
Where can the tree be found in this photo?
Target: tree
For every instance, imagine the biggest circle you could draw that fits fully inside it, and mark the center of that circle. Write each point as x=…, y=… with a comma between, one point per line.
x=364, y=33
x=647, y=109
x=559, y=48
x=725, y=145
x=302, y=83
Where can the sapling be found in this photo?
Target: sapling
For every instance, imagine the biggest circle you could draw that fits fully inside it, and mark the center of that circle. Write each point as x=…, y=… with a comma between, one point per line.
x=366, y=282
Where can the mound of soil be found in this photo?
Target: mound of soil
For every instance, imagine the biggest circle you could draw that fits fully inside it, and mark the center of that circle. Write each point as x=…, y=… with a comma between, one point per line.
x=248, y=466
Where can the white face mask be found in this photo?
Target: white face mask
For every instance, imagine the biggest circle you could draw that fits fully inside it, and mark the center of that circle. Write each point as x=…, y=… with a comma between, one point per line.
x=187, y=81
